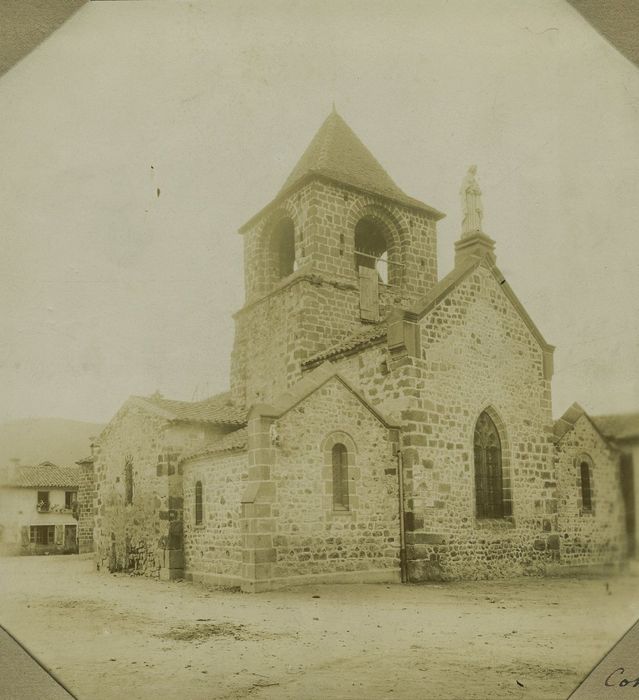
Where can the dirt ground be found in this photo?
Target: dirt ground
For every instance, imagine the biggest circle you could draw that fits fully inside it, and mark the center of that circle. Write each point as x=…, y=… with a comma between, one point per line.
x=119, y=636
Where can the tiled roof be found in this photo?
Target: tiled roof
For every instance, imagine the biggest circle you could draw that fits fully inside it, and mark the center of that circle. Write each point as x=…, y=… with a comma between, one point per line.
x=337, y=153
x=620, y=426
x=216, y=409
x=567, y=422
x=352, y=342
x=237, y=440
x=46, y=474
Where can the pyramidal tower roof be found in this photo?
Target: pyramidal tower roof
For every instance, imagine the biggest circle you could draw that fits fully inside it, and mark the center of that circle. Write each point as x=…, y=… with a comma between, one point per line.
x=338, y=154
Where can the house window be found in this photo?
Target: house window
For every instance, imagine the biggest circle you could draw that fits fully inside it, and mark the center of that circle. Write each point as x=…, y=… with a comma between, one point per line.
x=42, y=534
x=69, y=499
x=489, y=478
x=43, y=501
x=198, y=503
x=340, y=476
x=128, y=481
x=586, y=488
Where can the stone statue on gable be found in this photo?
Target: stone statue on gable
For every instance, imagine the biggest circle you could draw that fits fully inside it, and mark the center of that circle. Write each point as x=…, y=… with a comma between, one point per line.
x=471, y=203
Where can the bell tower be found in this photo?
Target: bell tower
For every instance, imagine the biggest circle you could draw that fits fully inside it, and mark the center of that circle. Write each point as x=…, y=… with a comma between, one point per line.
x=338, y=248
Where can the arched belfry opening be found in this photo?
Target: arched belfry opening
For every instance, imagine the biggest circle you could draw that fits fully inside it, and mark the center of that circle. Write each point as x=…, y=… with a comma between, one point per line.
x=282, y=249
x=374, y=249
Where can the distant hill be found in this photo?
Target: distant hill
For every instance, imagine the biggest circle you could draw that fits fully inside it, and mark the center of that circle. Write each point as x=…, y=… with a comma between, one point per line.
x=35, y=440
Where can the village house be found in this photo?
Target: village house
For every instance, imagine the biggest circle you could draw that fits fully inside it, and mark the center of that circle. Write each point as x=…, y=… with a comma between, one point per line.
x=382, y=424
x=37, y=509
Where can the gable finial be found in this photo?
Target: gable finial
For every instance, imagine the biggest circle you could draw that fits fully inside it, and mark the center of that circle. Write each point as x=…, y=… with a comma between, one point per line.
x=471, y=203
x=334, y=110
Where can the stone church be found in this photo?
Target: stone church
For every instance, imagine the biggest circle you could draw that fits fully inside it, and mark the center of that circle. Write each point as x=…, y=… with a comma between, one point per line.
x=382, y=424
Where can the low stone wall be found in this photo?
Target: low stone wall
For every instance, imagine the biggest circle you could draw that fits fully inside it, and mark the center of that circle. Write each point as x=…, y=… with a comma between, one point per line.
x=38, y=549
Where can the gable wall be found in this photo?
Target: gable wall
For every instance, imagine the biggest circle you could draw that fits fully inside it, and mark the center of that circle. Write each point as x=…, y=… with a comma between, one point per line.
x=132, y=536
x=310, y=536
x=595, y=537
x=478, y=353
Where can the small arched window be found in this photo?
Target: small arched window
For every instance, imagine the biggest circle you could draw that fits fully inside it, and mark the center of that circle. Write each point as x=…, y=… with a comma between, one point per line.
x=489, y=478
x=340, y=476
x=128, y=480
x=199, y=507
x=586, y=487
x=283, y=248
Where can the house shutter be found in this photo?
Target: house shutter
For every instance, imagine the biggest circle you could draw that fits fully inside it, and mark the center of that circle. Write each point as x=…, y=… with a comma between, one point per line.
x=24, y=533
x=59, y=534
x=368, y=294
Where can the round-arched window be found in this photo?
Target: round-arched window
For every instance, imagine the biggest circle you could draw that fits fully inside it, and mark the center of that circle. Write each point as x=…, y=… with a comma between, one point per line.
x=340, y=476
x=586, y=485
x=199, y=503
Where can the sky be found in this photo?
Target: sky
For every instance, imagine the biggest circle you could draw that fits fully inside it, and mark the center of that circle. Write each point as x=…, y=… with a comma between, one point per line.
x=108, y=290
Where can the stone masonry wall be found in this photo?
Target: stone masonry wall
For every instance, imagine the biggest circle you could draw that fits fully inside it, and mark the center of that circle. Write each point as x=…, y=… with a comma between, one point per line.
x=213, y=550
x=335, y=212
x=286, y=321
x=596, y=536
x=324, y=215
x=120, y=528
x=134, y=536
x=275, y=335
x=86, y=507
x=476, y=354
x=310, y=536
x=370, y=371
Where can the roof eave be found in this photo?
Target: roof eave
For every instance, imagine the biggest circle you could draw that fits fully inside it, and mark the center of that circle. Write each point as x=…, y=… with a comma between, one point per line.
x=582, y=413
x=68, y=487
x=339, y=354
x=297, y=394
x=208, y=421
x=457, y=275
x=410, y=204
x=212, y=453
